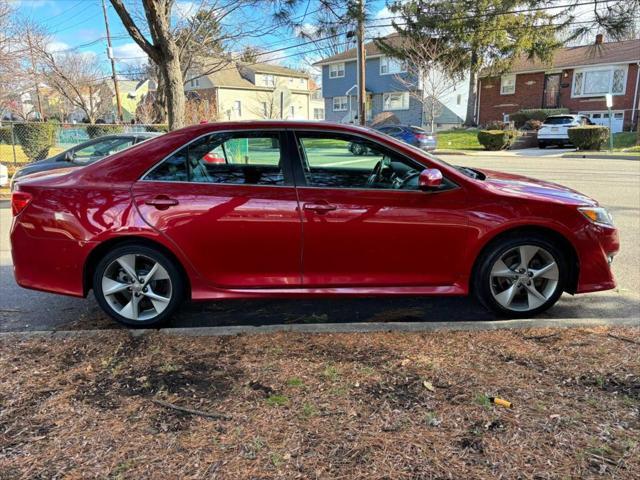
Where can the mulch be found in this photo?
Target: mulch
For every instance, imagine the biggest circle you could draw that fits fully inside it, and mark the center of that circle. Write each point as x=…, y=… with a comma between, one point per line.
x=353, y=406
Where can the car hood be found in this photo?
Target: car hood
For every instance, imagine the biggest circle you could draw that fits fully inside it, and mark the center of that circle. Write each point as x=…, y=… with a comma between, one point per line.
x=526, y=187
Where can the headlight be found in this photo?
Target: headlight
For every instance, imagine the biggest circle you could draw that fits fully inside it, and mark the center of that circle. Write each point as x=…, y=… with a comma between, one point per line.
x=597, y=215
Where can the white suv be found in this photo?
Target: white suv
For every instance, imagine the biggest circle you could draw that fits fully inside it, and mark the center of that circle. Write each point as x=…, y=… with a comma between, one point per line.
x=555, y=129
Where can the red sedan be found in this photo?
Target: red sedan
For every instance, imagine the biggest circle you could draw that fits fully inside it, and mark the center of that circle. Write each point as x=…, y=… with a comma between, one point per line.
x=258, y=209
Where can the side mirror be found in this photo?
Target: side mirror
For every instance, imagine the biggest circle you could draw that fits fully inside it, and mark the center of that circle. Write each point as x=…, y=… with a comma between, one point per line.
x=430, y=178
x=69, y=156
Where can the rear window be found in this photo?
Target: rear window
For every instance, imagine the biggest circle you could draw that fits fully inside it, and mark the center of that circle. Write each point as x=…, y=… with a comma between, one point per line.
x=559, y=120
x=418, y=130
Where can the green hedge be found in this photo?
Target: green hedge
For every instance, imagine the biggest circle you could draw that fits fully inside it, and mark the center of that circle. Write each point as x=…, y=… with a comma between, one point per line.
x=102, y=129
x=520, y=118
x=589, y=137
x=5, y=135
x=36, y=139
x=161, y=127
x=496, y=139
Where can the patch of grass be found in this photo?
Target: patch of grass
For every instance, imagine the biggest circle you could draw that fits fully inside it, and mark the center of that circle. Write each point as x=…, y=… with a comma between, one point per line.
x=482, y=399
x=295, y=382
x=120, y=470
x=331, y=373
x=168, y=368
x=459, y=139
x=276, y=459
x=277, y=400
x=308, y=411
x=624, y=140
x=6, y=154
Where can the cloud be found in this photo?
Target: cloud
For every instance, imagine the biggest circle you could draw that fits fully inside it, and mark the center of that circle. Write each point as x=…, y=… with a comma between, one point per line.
x=185, y=9
x=130, y=54
x=56, y=47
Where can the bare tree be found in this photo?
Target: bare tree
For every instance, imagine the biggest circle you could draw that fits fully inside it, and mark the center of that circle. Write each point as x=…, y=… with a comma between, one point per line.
x=79, y=79
x=194, y=46
x=429, y=79
x=267, y=106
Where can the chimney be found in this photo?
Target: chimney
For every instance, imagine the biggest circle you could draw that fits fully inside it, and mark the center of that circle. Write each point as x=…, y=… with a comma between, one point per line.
x=599, y=39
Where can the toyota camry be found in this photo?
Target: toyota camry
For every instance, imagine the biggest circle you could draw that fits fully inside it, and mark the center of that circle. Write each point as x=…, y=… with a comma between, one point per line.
x=283, y=209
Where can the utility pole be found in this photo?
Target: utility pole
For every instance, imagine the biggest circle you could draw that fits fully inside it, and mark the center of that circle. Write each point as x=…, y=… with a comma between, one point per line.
x=35, y=76
x=113, y=62
x=361, y=65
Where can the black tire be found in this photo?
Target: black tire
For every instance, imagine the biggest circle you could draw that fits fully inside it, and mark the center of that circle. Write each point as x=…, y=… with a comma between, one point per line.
x=481, y=281
x=175, y=276
x=357, y=149
x=542, y=145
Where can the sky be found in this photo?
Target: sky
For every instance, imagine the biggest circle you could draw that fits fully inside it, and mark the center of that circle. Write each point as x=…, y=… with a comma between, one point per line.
x=80, y=24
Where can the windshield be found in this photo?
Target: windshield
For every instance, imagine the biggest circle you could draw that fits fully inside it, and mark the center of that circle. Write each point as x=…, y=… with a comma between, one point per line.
x=559, y=120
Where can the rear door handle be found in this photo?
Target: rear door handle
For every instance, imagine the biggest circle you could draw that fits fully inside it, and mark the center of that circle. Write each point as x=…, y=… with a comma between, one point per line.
x=162, y=202
x=319, y=207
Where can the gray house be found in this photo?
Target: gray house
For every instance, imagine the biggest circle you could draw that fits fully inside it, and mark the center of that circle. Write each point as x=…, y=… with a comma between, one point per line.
x=388, y=88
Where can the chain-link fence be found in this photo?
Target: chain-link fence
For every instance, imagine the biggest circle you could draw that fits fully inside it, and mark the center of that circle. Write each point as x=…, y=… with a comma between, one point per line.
x=24, y=142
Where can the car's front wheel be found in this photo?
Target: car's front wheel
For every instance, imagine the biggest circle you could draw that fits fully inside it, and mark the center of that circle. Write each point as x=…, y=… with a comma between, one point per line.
x=138, y=285
x=520, y=277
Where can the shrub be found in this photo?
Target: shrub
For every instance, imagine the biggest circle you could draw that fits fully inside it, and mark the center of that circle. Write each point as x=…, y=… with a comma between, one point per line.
x=101, y=129
x=540, y=114
x=496, y=125
x=496, y=139
x=589, y=137
x=161, y=127
x=36, y=139
x=532, y=125
x=5, y=135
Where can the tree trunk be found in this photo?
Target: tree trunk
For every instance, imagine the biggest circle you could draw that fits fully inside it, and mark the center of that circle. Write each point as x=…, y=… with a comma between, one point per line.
x=174, y=88
x=470, y=121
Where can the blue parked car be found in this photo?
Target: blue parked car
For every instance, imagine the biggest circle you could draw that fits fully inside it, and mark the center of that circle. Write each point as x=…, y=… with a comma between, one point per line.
x=416, y=136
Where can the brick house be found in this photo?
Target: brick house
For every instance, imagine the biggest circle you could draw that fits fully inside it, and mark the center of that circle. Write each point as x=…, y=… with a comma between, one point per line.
x=577, y=78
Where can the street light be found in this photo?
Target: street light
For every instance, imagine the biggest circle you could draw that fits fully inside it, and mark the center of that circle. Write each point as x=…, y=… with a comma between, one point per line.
x=609, y=99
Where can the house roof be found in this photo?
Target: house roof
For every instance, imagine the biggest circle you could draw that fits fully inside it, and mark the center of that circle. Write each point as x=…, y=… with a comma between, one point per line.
x=231, y=76
x=274, y=69
x=612, y=52
x=371, y=50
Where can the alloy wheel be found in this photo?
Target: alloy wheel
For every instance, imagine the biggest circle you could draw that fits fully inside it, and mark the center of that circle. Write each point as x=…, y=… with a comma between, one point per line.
x=137, y=287
x=524, y=278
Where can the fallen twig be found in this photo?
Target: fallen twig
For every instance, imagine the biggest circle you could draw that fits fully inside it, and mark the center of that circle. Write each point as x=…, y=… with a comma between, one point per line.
x=191, y=411
x=539, y=337
x=624, y=339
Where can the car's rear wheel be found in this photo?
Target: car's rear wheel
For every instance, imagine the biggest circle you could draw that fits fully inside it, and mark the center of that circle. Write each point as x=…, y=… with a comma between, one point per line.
x=520, y=277
x=542, y=145
x=138, y=285
x=357, y=149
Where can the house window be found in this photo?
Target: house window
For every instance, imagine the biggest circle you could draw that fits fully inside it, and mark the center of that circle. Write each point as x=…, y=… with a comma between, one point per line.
x=508, y=84
x=269, y=80
x=389, y=65
x=340, y=104
x=303, y=83
x=194, y=82
x=599, y=81
x=237, y=108
x=336, y=70
x=395, y=101
x=265, y=110
x=318, y=113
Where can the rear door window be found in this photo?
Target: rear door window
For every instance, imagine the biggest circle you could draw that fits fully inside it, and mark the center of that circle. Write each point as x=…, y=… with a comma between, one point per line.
x=250, y=158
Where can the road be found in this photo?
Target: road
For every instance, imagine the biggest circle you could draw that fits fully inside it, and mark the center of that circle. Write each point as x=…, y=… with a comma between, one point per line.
x=615, y=183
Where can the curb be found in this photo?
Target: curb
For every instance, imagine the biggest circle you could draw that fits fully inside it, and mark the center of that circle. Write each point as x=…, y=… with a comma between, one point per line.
x=336, y=328
x=602, y=157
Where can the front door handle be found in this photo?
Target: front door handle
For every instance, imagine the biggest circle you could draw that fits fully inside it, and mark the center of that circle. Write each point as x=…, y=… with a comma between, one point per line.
x=162, y=202
x=319, y=207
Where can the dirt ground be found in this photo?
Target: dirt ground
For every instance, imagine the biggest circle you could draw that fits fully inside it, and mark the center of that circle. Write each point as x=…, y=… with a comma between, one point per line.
x=374, y=406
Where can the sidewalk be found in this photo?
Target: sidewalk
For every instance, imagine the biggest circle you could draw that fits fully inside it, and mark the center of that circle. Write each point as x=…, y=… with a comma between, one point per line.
x=542, y=153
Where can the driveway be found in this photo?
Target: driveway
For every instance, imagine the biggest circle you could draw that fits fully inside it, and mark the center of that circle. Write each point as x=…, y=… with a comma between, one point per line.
x=615, y=183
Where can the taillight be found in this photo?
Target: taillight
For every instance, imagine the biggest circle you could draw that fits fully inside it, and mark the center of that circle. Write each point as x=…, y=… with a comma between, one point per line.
x=423, y=136
x=19, y=201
